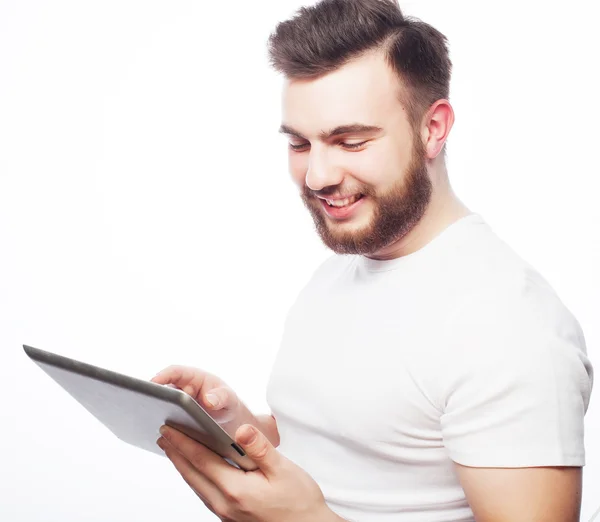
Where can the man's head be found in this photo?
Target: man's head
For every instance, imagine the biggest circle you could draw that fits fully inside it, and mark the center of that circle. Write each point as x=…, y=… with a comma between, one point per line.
x=365, y=107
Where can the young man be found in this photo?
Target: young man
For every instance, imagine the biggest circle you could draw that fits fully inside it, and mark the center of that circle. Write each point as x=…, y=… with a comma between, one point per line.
x=426, y=372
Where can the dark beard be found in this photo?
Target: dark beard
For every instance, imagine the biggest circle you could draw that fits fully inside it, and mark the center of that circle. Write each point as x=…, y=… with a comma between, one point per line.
x=395, y=213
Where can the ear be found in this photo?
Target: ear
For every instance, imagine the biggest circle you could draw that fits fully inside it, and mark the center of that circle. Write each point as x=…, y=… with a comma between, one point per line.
x=436, y=126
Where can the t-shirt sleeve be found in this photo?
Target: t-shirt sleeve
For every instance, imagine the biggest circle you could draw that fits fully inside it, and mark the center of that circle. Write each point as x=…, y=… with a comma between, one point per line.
x=518, y=383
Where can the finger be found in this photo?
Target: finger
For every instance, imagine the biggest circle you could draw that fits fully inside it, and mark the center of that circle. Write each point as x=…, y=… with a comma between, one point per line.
x=206, y=461
x=259, y=449
x=220, y=398
x=168, y=375
x=190, y=380
x=201, y=485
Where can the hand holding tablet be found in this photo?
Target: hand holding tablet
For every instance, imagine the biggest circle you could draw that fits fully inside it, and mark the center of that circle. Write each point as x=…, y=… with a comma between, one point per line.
x=208, y=390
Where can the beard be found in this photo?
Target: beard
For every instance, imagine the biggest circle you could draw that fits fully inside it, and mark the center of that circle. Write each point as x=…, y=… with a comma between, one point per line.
x=394, y=213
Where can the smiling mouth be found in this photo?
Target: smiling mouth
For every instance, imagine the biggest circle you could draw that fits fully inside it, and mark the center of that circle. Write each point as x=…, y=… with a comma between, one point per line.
x=341, y=203
x=342, y=209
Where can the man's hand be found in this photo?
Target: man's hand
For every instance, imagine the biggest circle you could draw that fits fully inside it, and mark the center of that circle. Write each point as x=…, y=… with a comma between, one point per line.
x=278, y=490
x=218, y=399
x=213, y=394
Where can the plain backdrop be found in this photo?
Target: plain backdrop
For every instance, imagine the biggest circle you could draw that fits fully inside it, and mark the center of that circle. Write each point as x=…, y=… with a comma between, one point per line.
x=147, y=216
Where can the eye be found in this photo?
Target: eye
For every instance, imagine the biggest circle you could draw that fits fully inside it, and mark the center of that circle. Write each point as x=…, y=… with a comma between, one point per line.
x=352, y=146
x=349, y=146
x=299, y=147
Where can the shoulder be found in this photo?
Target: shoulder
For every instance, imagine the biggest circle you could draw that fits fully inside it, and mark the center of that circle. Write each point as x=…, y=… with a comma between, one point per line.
x=516, y=377
x=510, y=340
x=516, y=324
x=495, y=286
x=516, y=356
x=512, y=300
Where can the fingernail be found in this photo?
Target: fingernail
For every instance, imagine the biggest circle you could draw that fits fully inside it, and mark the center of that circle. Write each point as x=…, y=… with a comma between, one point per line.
x=249, y=436
x=212, y=399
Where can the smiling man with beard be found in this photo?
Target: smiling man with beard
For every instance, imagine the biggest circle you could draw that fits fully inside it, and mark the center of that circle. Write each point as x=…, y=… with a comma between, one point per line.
x=426, y=371
x=393, y=214
x=429, y=372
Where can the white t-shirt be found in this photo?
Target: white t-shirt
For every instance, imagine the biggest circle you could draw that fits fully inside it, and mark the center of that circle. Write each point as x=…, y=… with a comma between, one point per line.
x=389, y=371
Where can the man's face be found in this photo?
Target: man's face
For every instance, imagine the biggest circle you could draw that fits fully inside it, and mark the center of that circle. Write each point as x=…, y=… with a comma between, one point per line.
x=372, y=155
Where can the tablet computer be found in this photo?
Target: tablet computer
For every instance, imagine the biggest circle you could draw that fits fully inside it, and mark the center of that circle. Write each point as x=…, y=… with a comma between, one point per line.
x=134, y=409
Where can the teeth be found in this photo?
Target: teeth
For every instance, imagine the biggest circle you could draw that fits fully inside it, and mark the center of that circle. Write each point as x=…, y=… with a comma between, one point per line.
x=342, y=202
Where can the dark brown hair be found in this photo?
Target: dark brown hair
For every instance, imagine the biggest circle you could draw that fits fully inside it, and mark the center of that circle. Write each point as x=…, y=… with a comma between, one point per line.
x=327, y=35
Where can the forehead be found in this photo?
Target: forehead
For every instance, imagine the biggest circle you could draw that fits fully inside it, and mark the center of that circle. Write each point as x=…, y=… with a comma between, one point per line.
x=363, y=91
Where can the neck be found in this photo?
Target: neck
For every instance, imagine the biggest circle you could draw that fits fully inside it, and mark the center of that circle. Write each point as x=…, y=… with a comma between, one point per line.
x=444, y=209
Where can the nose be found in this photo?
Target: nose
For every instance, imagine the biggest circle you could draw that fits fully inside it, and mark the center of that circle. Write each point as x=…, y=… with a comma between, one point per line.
x=320, y=172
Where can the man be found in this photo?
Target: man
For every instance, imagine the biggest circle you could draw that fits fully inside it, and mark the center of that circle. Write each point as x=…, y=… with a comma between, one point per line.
x=426, y=372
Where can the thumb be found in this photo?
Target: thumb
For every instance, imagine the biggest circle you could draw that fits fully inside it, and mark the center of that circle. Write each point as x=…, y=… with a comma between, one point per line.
x=258, y=448
x=218, y=398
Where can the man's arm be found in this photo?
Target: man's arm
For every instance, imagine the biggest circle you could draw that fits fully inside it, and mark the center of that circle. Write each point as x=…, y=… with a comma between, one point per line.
x=548, y=494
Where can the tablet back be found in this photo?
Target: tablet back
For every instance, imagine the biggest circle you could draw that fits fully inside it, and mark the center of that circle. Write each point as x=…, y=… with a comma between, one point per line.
x=134, y=409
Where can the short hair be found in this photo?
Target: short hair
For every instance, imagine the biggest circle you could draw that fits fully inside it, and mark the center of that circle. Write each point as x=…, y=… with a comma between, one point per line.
x=321, y=38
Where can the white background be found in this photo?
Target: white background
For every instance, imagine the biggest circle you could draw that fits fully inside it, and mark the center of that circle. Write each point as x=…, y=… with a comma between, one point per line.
x=147, y=216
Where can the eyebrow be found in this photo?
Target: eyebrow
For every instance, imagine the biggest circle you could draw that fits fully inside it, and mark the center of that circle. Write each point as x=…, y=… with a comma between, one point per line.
x=342, y=129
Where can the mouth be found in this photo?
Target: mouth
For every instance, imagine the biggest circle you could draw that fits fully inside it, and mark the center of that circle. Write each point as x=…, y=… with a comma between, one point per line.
x=341, y=203
x=342, y=208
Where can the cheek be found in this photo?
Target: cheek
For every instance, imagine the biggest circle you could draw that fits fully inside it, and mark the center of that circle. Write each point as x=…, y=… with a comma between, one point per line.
x=298, y=165
x=382, y=167
x=370, y=167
